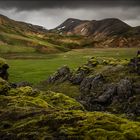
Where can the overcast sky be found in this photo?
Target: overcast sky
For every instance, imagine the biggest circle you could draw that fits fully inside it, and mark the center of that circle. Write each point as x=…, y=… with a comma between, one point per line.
x=51, y=13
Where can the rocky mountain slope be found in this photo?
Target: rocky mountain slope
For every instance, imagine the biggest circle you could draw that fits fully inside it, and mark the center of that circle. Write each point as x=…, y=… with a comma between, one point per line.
x=103, y=33
x=106, y=27
x=28, y=113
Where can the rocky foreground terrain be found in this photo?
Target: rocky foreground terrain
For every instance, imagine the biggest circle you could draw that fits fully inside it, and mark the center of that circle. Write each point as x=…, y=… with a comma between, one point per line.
x=109, y=84
x=97, y=90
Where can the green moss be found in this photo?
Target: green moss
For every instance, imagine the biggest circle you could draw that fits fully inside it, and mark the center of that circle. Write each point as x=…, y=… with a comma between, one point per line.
x=2, y=62
x=27, y=91
x=130, y=135
x=93, y=61
x=23, y=102
x=66, y=88
x=61, y=101
x=138, y=56
x=4, y=87
x=124, y=62
x=101, y=134
x=46, y=122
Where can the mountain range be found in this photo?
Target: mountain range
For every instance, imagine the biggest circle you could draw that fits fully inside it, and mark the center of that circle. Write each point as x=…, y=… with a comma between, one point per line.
x=72, y=33
x=109, y=32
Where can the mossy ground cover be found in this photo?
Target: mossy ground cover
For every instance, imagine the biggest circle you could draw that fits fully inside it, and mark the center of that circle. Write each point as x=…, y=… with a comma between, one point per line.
x=29, y=114
x=34, y=67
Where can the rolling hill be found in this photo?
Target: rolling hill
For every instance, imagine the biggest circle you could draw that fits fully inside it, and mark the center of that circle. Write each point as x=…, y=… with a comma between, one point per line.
x=21, y=37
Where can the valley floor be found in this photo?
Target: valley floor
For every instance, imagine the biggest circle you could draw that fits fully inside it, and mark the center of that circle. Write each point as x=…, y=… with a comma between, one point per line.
x=34, y=67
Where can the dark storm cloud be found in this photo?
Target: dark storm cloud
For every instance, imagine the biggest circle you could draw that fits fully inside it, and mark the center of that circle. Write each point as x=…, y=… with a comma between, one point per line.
x=51, y=13
x=39, y=4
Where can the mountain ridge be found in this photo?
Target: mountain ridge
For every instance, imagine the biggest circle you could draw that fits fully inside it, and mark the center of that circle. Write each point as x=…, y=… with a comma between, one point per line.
x=91, y=27
x=4, y=20
x=111, y=32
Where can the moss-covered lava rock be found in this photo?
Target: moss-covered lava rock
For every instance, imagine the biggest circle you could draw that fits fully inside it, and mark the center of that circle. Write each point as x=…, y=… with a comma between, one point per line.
x=61, y=101
x=4, y=87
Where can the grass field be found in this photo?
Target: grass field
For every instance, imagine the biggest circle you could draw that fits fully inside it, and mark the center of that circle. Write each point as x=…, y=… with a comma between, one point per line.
x=35, y=67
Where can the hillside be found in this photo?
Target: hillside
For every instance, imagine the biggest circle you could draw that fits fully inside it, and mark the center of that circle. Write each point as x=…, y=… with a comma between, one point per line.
x=10, y=26
x=110, y=32
x=106, y=27
x=23, y=37
x=20, y=37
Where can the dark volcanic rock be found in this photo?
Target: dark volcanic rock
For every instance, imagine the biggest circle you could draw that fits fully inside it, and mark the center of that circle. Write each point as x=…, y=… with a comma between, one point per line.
x=85, y=86
x=136, y=88
x=98, y=95
x=134, y=64
x=60, y=76
x=97, y=82
x=23, y=84
x=77, y=78
x=107, y=27
x=90, y=84
x=124, y=89
x=3, y=71
x=107, y=97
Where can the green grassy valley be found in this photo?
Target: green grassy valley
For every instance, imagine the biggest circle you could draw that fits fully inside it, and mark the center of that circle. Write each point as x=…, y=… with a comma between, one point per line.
x=34, y=67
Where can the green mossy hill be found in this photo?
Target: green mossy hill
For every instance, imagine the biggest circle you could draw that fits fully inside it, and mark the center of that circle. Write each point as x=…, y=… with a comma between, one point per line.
x=26, y=113
x=48, y=123
x=55, y=100
x=107, y=61
x=61, y=101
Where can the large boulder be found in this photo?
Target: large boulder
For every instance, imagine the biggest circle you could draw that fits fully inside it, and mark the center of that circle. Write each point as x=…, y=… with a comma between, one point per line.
x=124, y=89
x=107, y=96
x=97, y=95
x=77, y=78
x=3, y=69
x=91, y=84
x=60, y=76
x=134, y=64
x=80, y=74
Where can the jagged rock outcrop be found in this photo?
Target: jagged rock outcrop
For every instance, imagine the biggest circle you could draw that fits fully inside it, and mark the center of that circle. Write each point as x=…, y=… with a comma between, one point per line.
x=20, y=84
x=124, y=89
x=135, y=64
x=91, y=84
x=99, y=95
x=60, y=76
x=115, y=89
